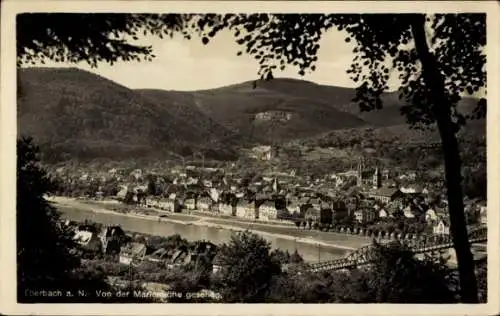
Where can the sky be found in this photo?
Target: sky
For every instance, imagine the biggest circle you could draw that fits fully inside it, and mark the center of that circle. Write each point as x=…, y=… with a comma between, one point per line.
x=188, y=65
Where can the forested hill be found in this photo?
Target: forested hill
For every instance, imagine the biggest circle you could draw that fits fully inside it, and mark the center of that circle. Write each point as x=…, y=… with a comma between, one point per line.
x=75, y=113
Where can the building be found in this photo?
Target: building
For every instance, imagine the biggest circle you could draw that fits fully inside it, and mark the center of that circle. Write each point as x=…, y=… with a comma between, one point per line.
x=368, y=177
x=132, y=252
x=430, y=216
x=483, y=215
x=245, y=209
x=268, y=211
x=88, y=240
x=159, y=256
x=205, y=204
x=190, y=204
x=136, y=175
x=382, y=213
x=385, y=194
x=180, y=257
x=227, y=209
x=365, y=215
x=312, y=215
x=171, y=204
x=152, y=202
x=442, y=227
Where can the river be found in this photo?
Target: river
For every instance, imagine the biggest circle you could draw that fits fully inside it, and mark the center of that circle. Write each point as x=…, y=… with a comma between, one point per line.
x=310, y=252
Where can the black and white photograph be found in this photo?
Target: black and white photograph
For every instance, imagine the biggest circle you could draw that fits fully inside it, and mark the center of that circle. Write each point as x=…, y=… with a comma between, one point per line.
x=211, y=156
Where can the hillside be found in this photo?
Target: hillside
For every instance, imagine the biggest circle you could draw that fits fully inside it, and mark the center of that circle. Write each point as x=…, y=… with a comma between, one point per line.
x=261, y=114
x=75, y=113
x=334, y=104
x=78, y=113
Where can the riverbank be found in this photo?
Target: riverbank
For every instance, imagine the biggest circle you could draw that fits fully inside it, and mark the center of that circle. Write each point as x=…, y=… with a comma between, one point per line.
x=323, y=239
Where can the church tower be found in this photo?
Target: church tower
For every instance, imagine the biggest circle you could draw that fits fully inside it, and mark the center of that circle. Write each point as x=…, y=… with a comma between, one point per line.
x=376, y=179
x=359, y=176
x=276, y=185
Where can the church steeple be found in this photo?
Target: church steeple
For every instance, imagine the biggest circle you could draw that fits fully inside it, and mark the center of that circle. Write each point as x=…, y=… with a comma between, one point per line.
x=276, y=186
x=359, y=176
x=376, y=178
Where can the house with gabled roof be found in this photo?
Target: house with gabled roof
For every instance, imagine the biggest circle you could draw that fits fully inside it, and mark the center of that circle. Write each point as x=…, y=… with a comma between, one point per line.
x=382, y=213
x=442, y=227
x=384, y=194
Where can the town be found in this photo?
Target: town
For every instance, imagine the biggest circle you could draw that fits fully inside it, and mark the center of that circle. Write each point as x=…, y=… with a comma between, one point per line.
x=366, y=201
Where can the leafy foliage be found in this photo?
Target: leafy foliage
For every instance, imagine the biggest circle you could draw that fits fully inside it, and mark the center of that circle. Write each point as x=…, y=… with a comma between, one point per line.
x=395, y=277
x=398, y=277
x=46, y=255
x=246, y=268
x=43, y=258
x=92, y=38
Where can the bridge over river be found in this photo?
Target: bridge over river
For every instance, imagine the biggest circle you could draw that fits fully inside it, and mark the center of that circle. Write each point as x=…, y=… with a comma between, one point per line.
x=365, y=255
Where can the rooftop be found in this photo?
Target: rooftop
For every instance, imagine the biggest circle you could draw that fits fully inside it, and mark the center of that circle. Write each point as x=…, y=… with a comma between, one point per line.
x=133, y=248
x=385, y=191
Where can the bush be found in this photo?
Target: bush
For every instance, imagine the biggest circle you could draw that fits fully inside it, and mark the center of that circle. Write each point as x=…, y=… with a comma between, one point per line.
x=246, y=268
x=395, y=277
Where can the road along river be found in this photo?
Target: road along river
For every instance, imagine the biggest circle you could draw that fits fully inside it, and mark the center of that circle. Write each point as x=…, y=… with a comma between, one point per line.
x=193, y=228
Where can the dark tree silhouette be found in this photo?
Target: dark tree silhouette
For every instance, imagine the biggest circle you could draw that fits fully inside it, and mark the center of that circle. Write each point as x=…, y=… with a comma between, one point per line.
x=247, y=268
x=152, y=190
x=43, y=258
x=91, y=38
x=395, y=276
x=439, y=58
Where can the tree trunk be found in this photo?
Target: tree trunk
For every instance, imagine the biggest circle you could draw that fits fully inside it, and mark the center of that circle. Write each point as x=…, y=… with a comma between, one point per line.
x=441, y=108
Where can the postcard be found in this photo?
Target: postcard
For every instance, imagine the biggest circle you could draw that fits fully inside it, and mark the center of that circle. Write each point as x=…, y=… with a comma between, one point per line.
x=272, y=157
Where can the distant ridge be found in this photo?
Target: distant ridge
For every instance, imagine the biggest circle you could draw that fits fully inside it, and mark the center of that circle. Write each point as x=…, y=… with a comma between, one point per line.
x=76, y=113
